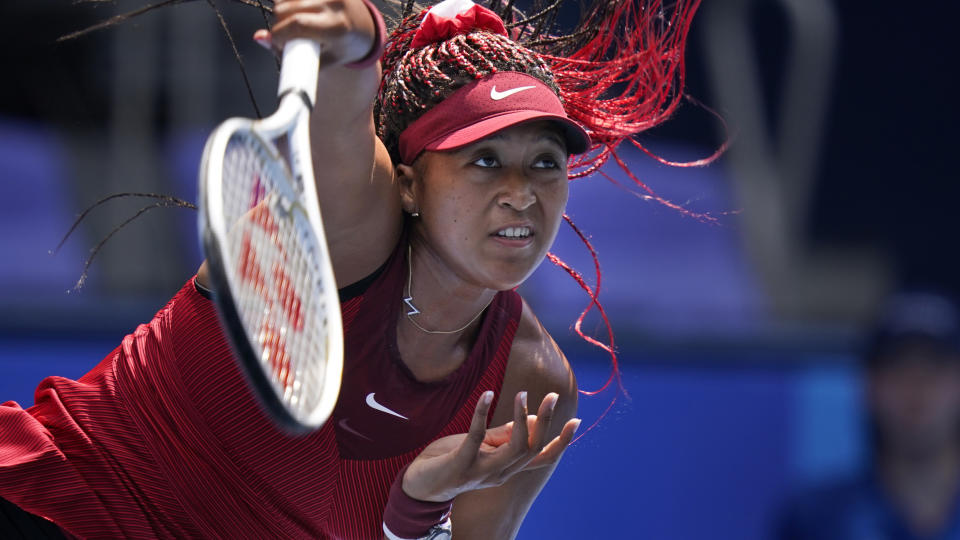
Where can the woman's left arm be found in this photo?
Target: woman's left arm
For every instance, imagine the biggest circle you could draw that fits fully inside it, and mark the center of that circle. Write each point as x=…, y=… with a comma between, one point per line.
x=498, y=512
x=493, y=475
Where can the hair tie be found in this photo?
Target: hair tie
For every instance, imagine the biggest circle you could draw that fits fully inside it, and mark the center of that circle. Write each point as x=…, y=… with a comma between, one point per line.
x=452, y=17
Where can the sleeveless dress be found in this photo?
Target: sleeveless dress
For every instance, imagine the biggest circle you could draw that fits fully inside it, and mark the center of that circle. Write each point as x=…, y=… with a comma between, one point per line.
x=163, y=438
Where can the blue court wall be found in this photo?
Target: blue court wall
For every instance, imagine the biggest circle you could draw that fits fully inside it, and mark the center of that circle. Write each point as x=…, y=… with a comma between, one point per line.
x=700, y=451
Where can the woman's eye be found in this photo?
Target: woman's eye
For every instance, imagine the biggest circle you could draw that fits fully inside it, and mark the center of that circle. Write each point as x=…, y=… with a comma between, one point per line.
x=546, y=163
x=486, y=162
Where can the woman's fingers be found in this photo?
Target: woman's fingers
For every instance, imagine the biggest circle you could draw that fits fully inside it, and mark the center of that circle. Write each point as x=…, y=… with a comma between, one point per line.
x=519, y=440
x=499, y=436
x=511, y=442
x=343, y=28
x=538, y=428
x=554, y=449
x=538, y=436
x=264, y=39
x=470, y=447
x=319, y=27
x=489, y=457
x=284, y=7
x=517, y=449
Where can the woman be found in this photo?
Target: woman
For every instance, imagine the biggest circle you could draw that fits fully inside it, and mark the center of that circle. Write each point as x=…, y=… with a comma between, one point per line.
x=443, y=179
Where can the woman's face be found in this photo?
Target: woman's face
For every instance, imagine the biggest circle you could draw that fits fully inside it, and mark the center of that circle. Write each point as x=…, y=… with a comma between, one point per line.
x=490, y=211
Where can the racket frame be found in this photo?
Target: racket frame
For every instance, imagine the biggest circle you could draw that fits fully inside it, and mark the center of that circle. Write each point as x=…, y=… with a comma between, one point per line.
x=297, y=90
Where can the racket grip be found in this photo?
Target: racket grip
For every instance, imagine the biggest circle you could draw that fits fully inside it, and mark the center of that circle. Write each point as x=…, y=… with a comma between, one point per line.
x=298, y=70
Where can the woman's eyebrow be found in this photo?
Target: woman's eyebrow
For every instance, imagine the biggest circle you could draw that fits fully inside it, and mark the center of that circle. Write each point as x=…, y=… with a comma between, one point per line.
x=551, y=136
x=547, y=135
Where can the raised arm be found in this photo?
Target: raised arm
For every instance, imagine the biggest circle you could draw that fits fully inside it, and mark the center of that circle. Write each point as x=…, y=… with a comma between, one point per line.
x=359, y=203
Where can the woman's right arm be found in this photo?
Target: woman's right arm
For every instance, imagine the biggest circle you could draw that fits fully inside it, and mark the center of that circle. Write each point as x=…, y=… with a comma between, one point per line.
x=358, y=198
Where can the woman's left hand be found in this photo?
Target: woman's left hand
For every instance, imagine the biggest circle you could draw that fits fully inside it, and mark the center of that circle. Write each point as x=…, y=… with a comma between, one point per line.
x=483, y=458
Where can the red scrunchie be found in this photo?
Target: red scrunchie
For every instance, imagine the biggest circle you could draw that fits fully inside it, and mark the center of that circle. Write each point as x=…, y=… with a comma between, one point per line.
x=436, y=28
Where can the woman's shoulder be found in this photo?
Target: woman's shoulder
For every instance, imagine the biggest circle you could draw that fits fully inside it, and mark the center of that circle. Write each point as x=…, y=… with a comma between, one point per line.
x=534, y=348
x=538, y=366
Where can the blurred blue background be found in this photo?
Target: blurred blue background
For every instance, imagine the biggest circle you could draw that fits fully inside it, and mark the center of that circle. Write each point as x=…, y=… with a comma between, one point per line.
x=738, y=340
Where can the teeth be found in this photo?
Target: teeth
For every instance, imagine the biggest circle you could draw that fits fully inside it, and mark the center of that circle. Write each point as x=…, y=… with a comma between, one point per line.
x=515, y=232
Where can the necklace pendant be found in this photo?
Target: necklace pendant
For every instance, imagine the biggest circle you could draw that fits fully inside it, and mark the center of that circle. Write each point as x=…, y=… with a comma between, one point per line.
x=413, y=309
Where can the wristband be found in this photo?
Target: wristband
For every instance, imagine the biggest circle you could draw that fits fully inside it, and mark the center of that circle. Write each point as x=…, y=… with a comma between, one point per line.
x=406, y=518
x=442, y=531
x=379, y=39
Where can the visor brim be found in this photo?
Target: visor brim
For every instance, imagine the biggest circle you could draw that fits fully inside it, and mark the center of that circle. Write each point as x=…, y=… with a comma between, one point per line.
x=576, y=138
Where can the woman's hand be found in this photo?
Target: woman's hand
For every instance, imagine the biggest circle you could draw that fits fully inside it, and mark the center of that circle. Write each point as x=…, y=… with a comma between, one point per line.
x=483, y=458
x=344, y=29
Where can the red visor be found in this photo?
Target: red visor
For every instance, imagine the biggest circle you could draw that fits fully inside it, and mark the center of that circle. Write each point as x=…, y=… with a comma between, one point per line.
x=485, y=106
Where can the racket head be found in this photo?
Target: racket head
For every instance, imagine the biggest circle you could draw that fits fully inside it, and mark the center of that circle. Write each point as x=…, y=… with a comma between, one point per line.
x=271, y=276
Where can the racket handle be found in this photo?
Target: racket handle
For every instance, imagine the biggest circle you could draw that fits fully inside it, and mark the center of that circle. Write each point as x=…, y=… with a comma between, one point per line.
x=298, y=70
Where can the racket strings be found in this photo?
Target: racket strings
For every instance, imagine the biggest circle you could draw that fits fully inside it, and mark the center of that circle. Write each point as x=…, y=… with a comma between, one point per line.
x=275, y=281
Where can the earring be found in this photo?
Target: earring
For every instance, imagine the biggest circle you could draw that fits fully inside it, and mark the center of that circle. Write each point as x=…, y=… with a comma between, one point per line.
x=415, y=214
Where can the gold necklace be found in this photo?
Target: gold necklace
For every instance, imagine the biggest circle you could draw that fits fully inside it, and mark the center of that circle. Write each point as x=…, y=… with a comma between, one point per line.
x=414, y=311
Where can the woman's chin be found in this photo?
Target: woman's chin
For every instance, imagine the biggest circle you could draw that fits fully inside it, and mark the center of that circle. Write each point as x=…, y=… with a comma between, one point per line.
x=511, y=280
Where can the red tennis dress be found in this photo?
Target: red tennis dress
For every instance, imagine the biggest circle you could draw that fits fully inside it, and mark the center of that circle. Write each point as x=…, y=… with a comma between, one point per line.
x=164, y=439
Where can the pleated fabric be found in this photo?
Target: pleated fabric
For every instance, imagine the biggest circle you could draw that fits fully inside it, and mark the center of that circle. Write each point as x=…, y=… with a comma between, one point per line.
x=165, y=439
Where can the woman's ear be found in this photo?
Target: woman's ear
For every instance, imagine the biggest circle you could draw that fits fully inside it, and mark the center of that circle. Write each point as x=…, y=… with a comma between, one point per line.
x=407, y=180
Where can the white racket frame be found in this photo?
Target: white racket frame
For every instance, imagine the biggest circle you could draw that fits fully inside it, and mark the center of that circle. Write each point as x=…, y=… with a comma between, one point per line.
x=297, y=91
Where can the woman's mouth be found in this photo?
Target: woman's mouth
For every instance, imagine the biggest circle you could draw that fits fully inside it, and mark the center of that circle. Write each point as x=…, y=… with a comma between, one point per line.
x=515, y=233
x=515, y=236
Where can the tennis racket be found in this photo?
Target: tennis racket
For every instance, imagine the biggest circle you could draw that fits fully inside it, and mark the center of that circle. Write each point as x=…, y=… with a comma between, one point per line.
x=270, y=267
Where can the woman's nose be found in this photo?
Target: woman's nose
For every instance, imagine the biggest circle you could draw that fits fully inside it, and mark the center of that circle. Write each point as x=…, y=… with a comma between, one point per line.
x=517, y=193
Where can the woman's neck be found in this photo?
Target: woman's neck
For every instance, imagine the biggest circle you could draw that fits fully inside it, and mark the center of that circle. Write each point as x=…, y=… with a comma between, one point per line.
x=440, y=317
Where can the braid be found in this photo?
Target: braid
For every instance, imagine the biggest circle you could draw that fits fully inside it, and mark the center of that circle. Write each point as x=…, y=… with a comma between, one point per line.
x=619, y=73
x=416, y=80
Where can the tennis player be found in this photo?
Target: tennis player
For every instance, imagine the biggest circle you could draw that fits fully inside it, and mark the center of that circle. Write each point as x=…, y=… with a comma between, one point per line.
x=443, y=175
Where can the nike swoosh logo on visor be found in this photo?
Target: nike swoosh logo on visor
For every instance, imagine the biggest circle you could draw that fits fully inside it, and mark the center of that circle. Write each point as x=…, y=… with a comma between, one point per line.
x=374, y=405
x=497, y=96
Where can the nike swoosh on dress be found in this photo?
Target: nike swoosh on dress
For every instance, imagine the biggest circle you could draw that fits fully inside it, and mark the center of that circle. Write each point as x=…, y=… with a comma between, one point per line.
x=374, y=405
x=345, y=427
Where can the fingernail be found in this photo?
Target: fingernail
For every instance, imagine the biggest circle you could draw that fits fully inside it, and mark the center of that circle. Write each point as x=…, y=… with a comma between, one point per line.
x=263, y=42
x=523, y=399
x=577, y=425
x=487, y=397
x=554, y=398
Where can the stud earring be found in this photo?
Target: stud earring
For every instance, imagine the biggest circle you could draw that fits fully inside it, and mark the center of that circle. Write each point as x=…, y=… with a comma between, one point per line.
x=415, y=214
